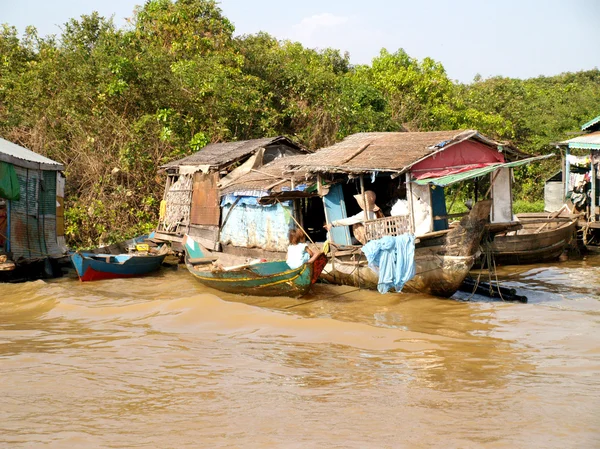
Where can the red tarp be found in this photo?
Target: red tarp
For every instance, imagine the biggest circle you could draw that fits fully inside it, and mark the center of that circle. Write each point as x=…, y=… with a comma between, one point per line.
x=461, y=157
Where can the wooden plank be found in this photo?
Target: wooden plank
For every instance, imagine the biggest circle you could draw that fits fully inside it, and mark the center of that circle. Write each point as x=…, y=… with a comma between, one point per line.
x=545, y=220
x=202, y=260
x=167, y=236
x=458, y=215
x=433, y=234
x=205, y=208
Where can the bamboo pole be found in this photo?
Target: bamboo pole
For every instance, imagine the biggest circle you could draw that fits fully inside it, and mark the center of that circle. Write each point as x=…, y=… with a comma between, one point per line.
x=410, y=202
x=296, y=221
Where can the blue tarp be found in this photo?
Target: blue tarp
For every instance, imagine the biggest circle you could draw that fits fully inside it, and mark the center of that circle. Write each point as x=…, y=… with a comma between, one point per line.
x=253, y=225
x=393, y=258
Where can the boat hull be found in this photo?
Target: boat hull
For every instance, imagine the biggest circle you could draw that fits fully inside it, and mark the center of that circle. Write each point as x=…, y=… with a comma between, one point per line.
x=92, y=267
x=435, y=275
x=529, y=246
x=274, y=278
x=442, y=260
x=263, y=279
x=292, y=283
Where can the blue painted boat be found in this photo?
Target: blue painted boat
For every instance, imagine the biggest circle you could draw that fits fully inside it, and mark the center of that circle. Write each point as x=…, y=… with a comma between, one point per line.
x=93, y=266
x=257, y=279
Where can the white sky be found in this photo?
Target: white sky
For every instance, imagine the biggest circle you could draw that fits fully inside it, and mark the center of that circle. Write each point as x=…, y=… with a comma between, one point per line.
x=516, y=38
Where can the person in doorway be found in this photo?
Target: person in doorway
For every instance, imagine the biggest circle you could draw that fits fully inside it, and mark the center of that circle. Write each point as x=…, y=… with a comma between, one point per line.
x=298, y=251
x=356, y=221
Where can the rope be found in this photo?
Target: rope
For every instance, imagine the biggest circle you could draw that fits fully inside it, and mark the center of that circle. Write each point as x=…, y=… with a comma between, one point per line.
x=296, y=221
x=490, y=261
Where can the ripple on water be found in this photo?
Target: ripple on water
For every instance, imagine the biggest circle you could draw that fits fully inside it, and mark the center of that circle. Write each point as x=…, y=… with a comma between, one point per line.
x=163, y=362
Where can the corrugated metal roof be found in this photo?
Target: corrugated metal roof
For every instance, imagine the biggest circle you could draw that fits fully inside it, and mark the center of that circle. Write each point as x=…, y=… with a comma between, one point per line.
x=589, y=141
x=22, y=157
x=390, y=151
x=591, y=123
x=220, y=154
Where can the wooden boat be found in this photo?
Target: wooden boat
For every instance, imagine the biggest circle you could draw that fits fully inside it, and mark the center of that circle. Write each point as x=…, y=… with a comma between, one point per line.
x=542, y=238
x=443, y=258
x=256, y=278
x=96, y=265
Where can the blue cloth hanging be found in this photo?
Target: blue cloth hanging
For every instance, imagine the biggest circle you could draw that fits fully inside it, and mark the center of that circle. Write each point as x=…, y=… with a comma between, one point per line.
x=393, y=258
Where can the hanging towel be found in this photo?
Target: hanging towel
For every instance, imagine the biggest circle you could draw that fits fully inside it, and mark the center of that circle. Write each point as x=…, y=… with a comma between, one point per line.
x=9, y=183
x=393, y=258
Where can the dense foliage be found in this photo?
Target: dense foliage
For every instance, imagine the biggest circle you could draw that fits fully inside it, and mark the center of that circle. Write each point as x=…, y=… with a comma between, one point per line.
x=114, y=104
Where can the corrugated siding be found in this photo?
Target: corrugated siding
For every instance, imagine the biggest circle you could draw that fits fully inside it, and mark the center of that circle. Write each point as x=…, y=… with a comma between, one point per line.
x=205, y=200
x=24, y=236
x=60, y=216
x=255, y=226
x=48, y=193
x=33, y=234
x=60, y=207
x=52, y=245
x=28, y=184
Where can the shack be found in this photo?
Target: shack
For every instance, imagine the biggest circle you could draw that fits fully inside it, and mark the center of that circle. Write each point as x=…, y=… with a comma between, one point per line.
x=31, y=214
x=260, y=207
x=581, y=180
x=413, y=167
x=191, y=202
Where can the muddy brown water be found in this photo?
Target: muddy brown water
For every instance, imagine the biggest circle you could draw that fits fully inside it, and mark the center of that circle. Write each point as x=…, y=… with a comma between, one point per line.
x=162, y=362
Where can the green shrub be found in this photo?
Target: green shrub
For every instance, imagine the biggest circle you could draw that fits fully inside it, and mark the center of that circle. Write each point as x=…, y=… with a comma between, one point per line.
x=521, y=206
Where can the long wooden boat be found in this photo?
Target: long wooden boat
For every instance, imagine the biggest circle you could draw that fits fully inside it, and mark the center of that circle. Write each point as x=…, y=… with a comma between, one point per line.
x=542, y=238
x=443, y=259
x=97, y=265
x=256, y=278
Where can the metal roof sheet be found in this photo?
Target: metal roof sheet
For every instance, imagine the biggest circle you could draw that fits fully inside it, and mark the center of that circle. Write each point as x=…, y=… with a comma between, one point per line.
x=591, y=123
x=22, y=157
x=589, y=141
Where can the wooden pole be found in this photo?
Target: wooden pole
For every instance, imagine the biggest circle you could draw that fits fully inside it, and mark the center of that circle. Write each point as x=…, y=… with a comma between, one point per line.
x=410, y=202
x=296, y=221
x=493, y=180
x=364, y=198
x=593, y=179
x=566, y=173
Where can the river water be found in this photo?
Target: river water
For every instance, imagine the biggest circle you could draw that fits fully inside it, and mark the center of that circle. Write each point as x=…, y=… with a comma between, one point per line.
x=162, y=362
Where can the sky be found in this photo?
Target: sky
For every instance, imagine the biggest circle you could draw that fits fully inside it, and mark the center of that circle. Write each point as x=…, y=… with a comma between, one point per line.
x=521, y=39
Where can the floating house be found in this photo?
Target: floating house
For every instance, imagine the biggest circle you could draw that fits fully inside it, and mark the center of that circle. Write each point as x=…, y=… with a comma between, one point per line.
x=581, y=180
x=31, y=213
x=192, y=199
x=410, y=166
x=410, y=169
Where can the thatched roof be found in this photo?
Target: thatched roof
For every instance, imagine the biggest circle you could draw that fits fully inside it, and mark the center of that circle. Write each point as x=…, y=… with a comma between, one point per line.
x=222, y=154
x=390, y=151
x=273, y=177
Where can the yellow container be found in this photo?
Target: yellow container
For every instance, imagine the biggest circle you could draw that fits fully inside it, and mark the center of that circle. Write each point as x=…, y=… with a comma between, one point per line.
x=142, y=247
